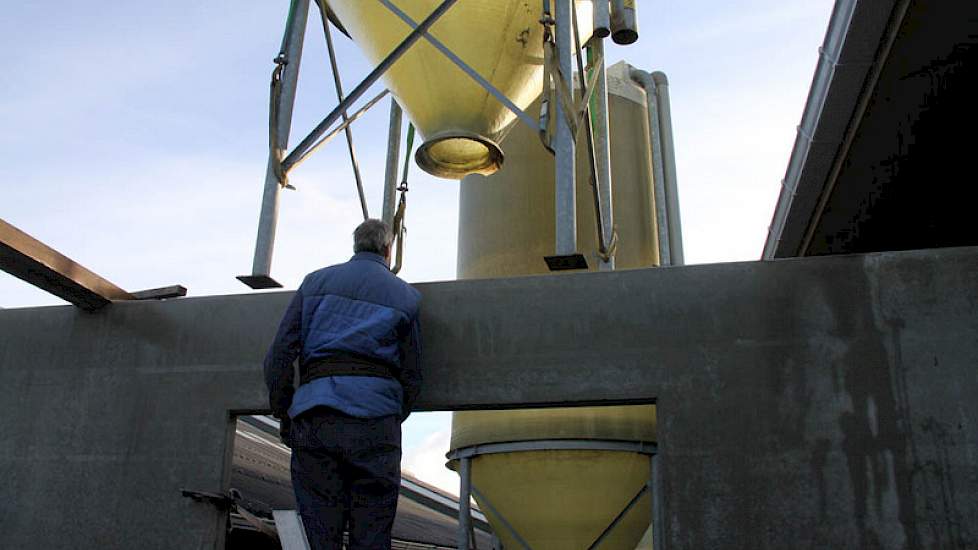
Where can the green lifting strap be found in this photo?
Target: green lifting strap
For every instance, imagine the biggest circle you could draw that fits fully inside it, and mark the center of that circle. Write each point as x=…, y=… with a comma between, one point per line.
x=407, y=158
x=399, y=228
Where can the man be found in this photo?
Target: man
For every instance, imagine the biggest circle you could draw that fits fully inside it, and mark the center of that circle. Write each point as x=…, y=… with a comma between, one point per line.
x=354, y=328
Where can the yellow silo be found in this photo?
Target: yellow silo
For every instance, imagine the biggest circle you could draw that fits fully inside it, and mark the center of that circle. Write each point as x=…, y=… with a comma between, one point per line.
x=577, y=468
x=461, y=122
x=555, y=497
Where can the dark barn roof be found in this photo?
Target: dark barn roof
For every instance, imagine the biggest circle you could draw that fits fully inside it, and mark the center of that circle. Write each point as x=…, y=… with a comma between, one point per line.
x=884, y=154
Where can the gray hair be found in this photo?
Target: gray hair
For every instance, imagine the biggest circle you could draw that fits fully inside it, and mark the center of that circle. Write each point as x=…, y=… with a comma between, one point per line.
x=372, y=236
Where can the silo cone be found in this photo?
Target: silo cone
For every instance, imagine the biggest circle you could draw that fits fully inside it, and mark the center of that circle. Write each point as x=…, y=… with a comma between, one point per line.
x=462, y=123
x=560, y=499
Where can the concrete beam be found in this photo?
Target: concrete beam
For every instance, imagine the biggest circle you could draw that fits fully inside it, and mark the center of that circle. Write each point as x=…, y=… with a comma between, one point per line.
x=817, y=402
x=29, y=259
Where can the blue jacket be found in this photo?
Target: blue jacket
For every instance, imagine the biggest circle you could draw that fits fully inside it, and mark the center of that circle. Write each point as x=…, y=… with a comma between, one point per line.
x=358, y=308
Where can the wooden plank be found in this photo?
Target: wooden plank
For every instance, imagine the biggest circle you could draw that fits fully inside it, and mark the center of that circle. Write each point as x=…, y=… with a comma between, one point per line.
x=29, y=259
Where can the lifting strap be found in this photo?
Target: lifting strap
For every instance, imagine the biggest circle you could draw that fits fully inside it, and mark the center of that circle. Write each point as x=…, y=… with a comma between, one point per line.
x=556, y=87
x=276, y=153
x=399, y=228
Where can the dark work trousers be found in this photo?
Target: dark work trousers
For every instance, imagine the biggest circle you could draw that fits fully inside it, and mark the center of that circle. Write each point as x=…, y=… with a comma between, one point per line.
x=346, y=471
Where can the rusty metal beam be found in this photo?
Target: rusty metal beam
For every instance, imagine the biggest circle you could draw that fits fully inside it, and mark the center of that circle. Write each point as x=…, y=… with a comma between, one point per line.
x=162, y=293
x=29, y=259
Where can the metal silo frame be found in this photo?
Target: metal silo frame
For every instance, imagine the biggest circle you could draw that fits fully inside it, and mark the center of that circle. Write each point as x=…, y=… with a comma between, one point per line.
x=467, y=489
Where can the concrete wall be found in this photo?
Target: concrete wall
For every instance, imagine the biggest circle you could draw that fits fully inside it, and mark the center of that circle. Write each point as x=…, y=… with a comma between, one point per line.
x=809, y=403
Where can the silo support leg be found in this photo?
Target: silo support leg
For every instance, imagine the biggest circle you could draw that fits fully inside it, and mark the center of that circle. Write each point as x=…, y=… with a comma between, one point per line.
x=464, y=508
x=393, y=155
x=288, y=62
x=564, y=146
x=658, y=540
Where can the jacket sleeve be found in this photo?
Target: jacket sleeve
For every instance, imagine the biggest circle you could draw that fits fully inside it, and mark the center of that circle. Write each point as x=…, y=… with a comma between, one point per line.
x=279, y=372
x=410, y=375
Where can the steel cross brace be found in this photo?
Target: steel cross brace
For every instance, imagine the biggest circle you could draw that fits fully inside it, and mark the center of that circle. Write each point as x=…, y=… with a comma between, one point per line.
x=621, y=515
x=483, y=500
x=338, y=85
x=343, y=126
x=473, y=74
x=306, y=144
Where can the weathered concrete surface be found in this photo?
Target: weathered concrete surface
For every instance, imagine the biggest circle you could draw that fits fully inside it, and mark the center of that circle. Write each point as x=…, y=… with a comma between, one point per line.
x=809, y=403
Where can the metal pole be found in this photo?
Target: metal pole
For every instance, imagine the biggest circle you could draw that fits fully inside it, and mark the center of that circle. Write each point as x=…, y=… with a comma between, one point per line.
x=658, y=538
x=669, y=168
x=464, y=513
x=658, y=178
x=374, y=75
x=565, y=199
x=295, y=33
x=338, y=85
x=602, y=148
x=393, y=153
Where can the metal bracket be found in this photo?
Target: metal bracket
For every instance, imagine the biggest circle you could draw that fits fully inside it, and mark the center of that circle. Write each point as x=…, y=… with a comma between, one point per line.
x=566, y=262
x=224, y=502
x=162, y=293
x=259, y=282
x=231, y=502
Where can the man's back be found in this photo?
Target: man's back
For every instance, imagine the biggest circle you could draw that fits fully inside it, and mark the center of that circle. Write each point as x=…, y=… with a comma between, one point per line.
x=354, y=329
x=358, y=307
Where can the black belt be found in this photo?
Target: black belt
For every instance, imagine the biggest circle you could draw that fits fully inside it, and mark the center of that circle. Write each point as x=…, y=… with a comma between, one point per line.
x=343, y=365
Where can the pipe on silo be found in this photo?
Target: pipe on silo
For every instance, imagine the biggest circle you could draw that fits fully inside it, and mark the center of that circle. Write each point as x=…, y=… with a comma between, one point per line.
x=624, y=22
x=645, y=80
x=602, y=18
x=669, y=168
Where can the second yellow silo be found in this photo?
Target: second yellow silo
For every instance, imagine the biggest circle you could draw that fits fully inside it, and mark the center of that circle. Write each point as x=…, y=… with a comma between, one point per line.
x=563, y=484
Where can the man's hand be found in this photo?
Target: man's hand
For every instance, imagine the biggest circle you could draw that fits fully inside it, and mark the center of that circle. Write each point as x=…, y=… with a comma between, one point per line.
x=285, y=431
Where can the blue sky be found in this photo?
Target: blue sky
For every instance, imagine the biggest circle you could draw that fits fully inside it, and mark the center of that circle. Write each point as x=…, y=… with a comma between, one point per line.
x=134, y=140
